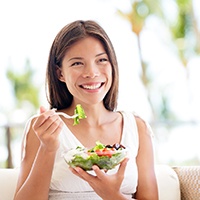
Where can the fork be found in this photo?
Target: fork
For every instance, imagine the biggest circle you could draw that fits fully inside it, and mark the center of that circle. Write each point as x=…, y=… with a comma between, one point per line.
x=67, y=116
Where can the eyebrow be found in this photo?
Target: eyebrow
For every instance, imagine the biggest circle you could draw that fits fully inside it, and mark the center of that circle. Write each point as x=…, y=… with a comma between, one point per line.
x=74, y=58
x=100, y=54
x=80, y=58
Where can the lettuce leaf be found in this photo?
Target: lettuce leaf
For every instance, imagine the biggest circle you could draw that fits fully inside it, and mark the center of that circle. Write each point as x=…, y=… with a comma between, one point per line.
x=81, y=114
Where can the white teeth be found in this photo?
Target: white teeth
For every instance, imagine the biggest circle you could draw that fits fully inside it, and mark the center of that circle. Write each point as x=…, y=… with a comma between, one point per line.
x=91, y=87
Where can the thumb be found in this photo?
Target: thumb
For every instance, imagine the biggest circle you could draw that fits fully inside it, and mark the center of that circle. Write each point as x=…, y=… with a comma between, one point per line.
x=42, y=109
x=122, y=167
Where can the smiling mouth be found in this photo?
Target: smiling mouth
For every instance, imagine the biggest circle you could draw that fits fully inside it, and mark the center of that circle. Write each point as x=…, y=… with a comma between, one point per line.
x=92, y=86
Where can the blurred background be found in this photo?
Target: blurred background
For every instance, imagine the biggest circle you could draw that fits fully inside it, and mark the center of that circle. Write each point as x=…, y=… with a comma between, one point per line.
x=157, y=43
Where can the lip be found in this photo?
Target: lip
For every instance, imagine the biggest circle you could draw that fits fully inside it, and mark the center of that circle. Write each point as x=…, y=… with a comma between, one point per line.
x=92, y=86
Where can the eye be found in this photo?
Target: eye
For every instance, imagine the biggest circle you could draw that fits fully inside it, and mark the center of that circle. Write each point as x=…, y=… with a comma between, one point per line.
x=76, y=64
x=103, y=60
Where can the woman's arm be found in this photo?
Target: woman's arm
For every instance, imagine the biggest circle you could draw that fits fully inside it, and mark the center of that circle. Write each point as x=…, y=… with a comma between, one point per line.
x=38, y=160
x=147, y=185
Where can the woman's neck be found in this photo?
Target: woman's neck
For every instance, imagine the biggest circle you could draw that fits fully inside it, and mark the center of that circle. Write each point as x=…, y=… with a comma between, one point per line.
x=96, y=114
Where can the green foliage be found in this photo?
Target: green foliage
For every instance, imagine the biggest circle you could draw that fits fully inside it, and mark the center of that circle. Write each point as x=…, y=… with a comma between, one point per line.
x=140, y=11
x=185, y=38
x=137, y=16
x=184, y=31
x=23, y=86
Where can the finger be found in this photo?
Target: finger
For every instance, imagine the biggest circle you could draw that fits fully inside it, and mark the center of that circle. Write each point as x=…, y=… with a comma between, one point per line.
x=60, y=126
x=47, y=125
x=122, y=167
x=74, y=171
x=42, y=109
x=43, y=117
x=83, y=174
x=52, y=124
x=56, y=129
x=100, y=174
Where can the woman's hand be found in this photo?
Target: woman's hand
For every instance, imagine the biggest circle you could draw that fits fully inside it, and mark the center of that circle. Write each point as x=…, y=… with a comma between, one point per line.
x=47, y=127
x=106, y=186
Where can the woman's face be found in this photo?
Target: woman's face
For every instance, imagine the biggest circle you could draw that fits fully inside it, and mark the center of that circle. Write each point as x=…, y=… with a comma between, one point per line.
x=87, y=71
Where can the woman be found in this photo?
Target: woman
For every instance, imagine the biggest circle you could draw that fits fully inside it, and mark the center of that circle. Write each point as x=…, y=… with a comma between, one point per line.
x=82, y=69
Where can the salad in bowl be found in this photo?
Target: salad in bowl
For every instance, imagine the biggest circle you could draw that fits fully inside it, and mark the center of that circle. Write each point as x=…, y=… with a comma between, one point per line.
x=104, y=156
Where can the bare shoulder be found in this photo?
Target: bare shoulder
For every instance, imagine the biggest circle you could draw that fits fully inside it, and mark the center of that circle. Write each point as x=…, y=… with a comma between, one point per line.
x=143, y=127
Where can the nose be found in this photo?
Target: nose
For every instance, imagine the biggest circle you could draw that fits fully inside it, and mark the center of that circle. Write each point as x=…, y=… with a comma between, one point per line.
x=91, y=71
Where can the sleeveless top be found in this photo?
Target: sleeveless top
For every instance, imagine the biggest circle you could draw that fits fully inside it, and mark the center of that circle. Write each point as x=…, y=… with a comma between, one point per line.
x=67, y=186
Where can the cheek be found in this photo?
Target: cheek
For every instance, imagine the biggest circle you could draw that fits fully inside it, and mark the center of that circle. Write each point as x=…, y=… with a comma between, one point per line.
x=71, y=78
x=68, y=75
x=109, y=77
x=109, y=73
x=69, y=83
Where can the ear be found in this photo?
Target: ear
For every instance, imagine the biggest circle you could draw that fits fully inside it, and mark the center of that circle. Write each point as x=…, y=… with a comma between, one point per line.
x=60, y=74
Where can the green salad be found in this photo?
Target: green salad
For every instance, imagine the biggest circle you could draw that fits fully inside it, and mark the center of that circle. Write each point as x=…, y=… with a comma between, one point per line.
x=79, y=111
x=104, y=156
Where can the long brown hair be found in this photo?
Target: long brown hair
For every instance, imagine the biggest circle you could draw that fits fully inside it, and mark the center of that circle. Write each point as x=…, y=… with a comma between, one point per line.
x=57, y=92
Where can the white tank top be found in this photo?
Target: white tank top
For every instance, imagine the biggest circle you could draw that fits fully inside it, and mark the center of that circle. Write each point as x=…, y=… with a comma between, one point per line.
x=73, y=187
x=67, y=186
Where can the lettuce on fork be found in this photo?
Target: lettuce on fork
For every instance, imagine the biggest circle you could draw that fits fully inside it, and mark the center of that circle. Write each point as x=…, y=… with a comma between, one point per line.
x=79, y=111
x=104, y=156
